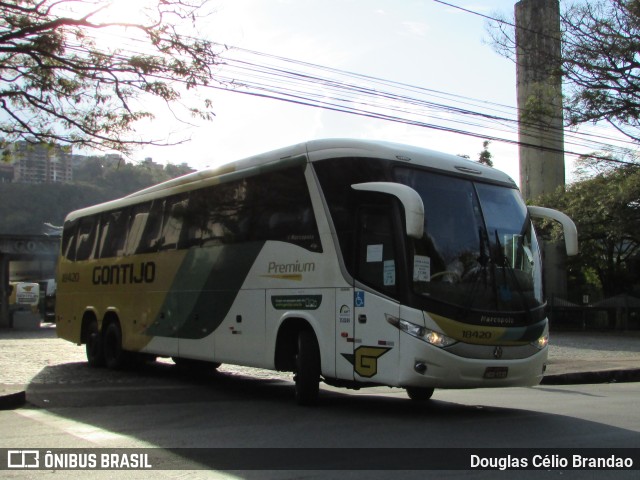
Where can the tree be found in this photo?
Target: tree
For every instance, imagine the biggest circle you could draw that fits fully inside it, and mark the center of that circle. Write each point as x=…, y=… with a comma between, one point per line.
x=600, y=61
x=60, y=81
x=606, y=210
x=25, y=207
x=485, y=154
x=177, y=170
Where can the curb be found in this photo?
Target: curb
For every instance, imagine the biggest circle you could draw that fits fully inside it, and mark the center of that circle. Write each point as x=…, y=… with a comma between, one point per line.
x=12, y=397
x=604, y=376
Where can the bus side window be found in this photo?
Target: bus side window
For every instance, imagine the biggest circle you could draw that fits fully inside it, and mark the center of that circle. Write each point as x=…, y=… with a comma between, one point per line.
x=69, y=235
x=175, y=209
x=113, y=233
x=376, y=252
x=284, y=213
x=195, y=220
x=138, y=222
x=150, y=237
x=87, y=233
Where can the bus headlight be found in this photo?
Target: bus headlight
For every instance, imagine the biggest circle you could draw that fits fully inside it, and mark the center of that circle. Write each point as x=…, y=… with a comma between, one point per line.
x=542, y=342
x=425, y=334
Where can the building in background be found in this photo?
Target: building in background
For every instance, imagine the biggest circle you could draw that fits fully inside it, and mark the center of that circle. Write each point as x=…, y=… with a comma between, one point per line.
x=6, y=172
x=41, y=163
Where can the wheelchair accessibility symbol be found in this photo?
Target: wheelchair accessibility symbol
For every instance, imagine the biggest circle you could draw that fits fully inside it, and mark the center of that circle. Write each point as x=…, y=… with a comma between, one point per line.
x=359, y=299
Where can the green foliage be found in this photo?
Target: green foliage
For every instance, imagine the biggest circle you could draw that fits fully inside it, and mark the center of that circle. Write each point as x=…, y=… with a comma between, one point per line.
x=61, y=81
x=25, y=207
x=485, y=155
x=606, y=210
x=600, y=66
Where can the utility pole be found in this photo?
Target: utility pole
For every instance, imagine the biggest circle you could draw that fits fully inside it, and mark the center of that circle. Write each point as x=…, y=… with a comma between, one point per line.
x=539, y=81
x=538, y=59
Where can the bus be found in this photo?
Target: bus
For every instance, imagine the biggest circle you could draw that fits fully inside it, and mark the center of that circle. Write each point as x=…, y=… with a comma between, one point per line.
x=354, y=263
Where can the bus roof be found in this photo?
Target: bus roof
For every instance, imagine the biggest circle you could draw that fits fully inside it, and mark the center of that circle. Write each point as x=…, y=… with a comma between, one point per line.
x=313, y=151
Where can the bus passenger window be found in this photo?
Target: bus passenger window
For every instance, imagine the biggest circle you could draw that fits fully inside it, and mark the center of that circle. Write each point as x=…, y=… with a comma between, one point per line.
x=138, y=221
x=113, y=233
x=173, y=219
x=151, y=234
x=69, y=240
x=86, y=238
x=284, y=214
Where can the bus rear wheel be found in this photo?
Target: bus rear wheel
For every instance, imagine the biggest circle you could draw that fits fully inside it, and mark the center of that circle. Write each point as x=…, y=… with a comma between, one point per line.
x=419, y=394
x=307, y=369
x=115, y=357
x=93, y=346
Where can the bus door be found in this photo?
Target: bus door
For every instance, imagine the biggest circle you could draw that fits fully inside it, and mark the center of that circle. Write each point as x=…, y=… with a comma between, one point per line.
x=375, y=340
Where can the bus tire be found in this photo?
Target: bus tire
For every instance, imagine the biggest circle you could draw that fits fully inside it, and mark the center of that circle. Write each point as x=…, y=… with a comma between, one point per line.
x=307, y=365
x=93, y=346
x=115, y=357
x=419, y=394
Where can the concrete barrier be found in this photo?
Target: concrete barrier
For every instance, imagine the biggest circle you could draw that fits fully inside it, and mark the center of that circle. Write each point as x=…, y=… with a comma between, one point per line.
x=25, y=320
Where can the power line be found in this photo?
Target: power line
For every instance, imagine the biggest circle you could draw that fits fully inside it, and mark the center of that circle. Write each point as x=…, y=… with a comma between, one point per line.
x=303, y=83
x=466, y=10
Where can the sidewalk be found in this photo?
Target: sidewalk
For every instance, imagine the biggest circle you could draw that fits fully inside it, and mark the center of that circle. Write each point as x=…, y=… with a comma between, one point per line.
x=574, y=358
x=593, y=357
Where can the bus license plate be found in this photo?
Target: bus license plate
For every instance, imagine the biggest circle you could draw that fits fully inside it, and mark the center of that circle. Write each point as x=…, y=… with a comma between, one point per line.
x=496, y=372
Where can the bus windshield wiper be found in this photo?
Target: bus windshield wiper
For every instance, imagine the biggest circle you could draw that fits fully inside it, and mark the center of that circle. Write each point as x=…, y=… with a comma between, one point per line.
x=481, y=275
x=508, y=270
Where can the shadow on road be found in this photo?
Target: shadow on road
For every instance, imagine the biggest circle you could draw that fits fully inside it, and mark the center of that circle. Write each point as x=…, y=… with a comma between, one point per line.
x=160, y=404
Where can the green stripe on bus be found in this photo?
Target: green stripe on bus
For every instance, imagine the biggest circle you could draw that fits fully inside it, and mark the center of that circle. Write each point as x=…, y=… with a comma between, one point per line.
x=204, y=290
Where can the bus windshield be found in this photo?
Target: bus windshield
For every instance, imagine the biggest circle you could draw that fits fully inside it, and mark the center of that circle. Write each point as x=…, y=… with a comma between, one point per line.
x=479, y=250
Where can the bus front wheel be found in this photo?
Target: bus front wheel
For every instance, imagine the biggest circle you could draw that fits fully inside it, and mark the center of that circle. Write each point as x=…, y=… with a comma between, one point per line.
x=419, y=394
x=307, y=373
x=115, y=357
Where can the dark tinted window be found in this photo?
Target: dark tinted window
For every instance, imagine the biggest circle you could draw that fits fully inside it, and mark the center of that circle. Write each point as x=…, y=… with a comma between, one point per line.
x=86, y=238
x=175, y=209
x=217, y=215
x=282, y=209
x=270, y=206
x=375, y=253
x=151, y=233
x=336, y=177
x=69, y=236
x=113, y=233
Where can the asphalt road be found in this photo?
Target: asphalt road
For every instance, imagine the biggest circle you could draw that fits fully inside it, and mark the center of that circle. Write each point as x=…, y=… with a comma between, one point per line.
x=251, y=411
x=146, y=409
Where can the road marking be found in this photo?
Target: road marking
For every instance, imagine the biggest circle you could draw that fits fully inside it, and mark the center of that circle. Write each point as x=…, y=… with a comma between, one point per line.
x=89, y=433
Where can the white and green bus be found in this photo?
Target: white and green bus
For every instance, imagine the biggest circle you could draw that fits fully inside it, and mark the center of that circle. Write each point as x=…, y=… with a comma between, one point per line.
x=356, y=263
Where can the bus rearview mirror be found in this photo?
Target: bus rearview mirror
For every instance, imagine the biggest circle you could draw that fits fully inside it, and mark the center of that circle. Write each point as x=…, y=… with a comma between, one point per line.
x=569, y=228
x=410, y=199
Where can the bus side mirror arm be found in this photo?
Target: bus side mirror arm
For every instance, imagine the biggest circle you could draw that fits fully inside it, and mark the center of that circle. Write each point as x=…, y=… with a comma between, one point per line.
x=410, y=199
x=569, y=228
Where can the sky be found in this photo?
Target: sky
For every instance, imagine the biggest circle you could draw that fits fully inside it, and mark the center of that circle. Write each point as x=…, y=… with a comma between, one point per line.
x=418, y=42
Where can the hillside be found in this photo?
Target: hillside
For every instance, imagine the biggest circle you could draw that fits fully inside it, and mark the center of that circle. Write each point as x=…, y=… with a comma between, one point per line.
x=25, y=207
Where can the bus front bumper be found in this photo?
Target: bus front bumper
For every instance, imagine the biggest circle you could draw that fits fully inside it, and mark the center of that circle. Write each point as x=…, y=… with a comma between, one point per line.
x=423, y=365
